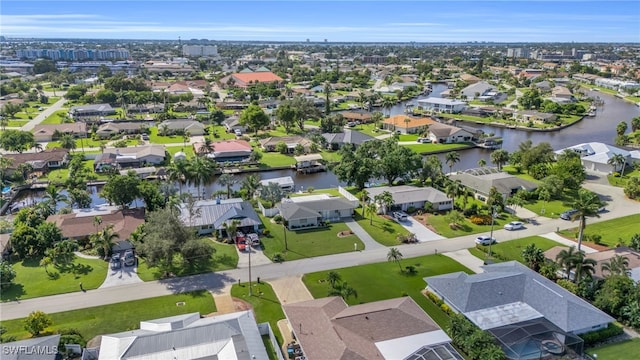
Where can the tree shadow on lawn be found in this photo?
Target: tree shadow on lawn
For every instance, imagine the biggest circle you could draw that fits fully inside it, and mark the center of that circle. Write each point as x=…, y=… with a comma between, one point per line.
x=12, y=293
x=225, y=260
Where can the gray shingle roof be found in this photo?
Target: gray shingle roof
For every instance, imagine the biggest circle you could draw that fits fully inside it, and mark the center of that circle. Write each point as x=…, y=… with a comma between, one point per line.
x=409, y=194
x=294, y=211
x=212, y=213
x=503, y=182
x=512, y=282
x=347, y=137
x=24, y=349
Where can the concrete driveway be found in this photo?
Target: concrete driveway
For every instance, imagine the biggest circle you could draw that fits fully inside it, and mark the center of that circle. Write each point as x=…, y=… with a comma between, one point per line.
x=423, y=233
x=124, y=275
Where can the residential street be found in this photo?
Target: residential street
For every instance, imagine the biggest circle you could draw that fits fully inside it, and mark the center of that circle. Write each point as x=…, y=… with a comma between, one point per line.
x=618, y=206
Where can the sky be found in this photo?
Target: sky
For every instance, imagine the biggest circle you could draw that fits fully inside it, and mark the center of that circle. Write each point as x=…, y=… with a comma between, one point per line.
x=336, y=21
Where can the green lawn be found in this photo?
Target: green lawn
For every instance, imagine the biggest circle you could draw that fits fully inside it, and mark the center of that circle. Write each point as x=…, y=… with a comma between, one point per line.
x=275, y=159
x=157, y=139
x=222, y=133
x=186, y=150
x=80, y=143
x=622, y=181
x=511, y=170
x=634, y=99
x=266, y=305
x=381, y=281
x=612, y=231
x=467, y=228
x=408, y=137
x=512, y=250
x=383, y=230
x=55, y=118
x=331, y=156
x=119, y=317
x=32, y=279
x=431, y=148
x=370, y=129
x=617, y=351
x=307, y=243
x=61, y=175
x=328, y=191
x=17, y=123
x=225, y=258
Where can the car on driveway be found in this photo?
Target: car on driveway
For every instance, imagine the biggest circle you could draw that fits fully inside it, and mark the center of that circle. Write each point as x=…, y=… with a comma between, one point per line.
x=424, y=140
x=400, y=215
x=514, y=225
x=129, y=258
x=485, y=240
x=116, y=263
x=568, y=214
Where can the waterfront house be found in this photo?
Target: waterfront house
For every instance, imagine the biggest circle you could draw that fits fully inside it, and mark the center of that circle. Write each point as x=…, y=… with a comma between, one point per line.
x=356, y=115
x=441, y=105
x=387, y=329
x=481, y=180
x=446, y=134
x=269, y=144
x=526, y=116
x=285, y=183
x=404, y=124
x=309, y=163
x=595, y=156
x=479, y=90
x=208, y=216
x=336, y=140
x=310, y=211
x=406, y=196
x=225, y=151
x=133, y=156
x=41, y=162
x=51, y=132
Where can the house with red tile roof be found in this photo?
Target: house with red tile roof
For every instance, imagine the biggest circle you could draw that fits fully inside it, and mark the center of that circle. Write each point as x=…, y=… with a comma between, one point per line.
x=244, y=79
x=225, y=151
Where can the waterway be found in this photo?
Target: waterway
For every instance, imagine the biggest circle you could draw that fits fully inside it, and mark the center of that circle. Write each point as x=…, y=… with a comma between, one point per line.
x=600, y=128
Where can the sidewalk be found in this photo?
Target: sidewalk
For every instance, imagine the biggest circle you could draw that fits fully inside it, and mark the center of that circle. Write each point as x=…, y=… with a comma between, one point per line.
x=43, y=115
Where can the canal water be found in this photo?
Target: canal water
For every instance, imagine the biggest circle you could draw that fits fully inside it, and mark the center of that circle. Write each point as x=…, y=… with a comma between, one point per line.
x=601, y=128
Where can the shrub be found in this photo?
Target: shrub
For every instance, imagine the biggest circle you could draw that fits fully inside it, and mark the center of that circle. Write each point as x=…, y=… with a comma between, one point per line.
x=481, y=219
x=265, y=232
x=277, y=257
x=596, y=238
x=411, y=270
x=434, y=298
x=411, y=209
x=277, y=218
x=446, y=309
x=567, y=284
x=616, y=174
x=597, y=336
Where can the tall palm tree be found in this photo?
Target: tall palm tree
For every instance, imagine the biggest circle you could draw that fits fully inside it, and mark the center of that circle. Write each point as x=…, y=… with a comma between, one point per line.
x=201, y=171
x=104, y=239
x=618, y=160
x=385, y=200
x=454, y=189
x=565, y=260
x=387, y=104
x=251, y=184
x=376, y=117
x=371, y=208
x=586, y=204
x=499, y=157
x=52, y=197
x=227, y=180
x=68, y=142
x=206, y=147
x=451, y=158
x=231, y=228
x=178, y=171
x=585, y=267
x=619, y=265
x=343, y=290
x=37, y=147
x=482, y=163
x=395, y=255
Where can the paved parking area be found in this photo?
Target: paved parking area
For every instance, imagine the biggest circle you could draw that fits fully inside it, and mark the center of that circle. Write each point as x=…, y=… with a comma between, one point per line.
x=422, y=232
x=122, y=276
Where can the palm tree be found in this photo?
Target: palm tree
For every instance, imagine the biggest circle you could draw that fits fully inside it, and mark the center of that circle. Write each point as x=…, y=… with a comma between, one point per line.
x=206, y=147
x=37, y=147
x=178, y=171
x=231, y=228
x=68, y=142
x=635, y=124
x=343, y=290
x=200, y=172
x=619, y=265
x=227, y=180
x=376, y=117
x=52, y=197
x=482, y=163
x=333, y=277
x=586, y=205
x=517, y=200
x=251, y=184
x=500, y=157
x=584, y=266
x=565, y=260
x=372, y=209
x=104, y=239
x=46, y=261
x=97, y=221
x=454, y=189
x=387, y=104
x=533, y=256
x=618, y=160
x=385, y=200
x=451, y=158
x=395, y=255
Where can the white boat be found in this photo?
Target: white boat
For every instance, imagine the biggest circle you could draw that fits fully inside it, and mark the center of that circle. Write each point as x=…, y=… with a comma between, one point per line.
x=591, y=113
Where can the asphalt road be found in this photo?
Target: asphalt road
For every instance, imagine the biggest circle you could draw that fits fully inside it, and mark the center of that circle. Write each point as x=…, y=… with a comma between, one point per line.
x=618, y=206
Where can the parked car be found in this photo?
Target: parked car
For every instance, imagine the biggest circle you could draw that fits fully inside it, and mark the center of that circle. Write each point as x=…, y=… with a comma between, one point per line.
x=351, y=124
x=238, y=132
x=145, y=137
x=129, y=258
x=116, y=262
x=568, y=214
x=424, y=140
x=400, y=215
x=485, y=240
x=242, y=244
x=514, y=225
x=253, y=239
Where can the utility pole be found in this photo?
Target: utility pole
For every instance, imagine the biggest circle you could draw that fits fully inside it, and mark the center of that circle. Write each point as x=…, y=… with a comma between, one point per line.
x=284, y=228
x=249, y=248
x=493, y=217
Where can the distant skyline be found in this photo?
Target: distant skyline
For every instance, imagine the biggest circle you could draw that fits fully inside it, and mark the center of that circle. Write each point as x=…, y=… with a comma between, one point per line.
x=336, y=21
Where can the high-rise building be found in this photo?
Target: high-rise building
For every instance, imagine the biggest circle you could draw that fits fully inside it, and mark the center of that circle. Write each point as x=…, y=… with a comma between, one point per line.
x=74, y=54
x=199, y=50
x=517, y=53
